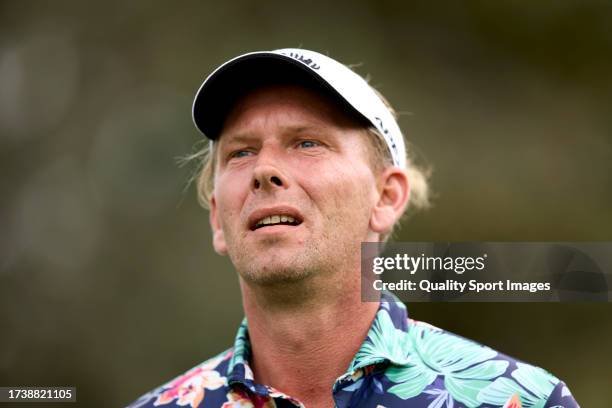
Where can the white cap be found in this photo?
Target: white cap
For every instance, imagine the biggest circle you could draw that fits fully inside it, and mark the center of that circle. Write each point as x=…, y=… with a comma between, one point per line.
x=292, y=65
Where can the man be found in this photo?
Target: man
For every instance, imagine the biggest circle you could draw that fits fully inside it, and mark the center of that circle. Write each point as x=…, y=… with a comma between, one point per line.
x=306, y=162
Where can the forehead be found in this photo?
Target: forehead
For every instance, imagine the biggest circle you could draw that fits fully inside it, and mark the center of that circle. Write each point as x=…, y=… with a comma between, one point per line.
x=288, y=106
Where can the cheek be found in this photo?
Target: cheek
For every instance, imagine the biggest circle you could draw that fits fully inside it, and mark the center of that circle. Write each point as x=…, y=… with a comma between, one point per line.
x=230, y=195
x=343, y=190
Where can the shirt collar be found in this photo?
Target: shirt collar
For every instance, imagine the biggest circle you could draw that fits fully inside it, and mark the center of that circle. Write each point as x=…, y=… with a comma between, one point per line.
x=239, y=369
x=387, y=341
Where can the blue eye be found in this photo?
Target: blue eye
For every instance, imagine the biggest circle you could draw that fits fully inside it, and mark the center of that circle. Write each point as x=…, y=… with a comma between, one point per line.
x=240, y=153
x=307, y=144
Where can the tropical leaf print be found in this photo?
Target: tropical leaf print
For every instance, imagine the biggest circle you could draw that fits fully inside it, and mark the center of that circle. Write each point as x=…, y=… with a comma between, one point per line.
x=533, y=385
x=442, y=399
x=242, y=346
x=466, y=366
x=384, y=342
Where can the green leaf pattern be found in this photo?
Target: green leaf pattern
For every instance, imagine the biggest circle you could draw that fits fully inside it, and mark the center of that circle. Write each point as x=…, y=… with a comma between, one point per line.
x=533, y=385
x=423, y=353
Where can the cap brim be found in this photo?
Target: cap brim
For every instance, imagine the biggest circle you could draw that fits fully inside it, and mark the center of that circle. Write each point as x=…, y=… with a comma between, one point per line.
x=219, y=92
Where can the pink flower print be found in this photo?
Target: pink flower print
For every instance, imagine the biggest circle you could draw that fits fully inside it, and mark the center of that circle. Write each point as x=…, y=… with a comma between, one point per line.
x=189, y=389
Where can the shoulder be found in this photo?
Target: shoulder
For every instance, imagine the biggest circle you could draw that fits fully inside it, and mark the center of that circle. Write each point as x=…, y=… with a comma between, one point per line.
x=191, y=387
x=471, y=373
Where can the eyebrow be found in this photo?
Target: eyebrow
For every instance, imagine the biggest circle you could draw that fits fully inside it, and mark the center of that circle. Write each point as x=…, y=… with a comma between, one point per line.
x=289, y=129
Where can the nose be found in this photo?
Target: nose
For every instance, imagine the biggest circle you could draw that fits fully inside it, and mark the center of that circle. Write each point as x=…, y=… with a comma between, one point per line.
x=268, y=176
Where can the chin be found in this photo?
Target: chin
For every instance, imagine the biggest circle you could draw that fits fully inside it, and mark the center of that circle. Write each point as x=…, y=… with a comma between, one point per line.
x=272, y=272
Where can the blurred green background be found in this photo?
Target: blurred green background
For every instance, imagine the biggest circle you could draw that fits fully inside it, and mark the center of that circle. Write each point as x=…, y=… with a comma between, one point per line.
x=107, y=277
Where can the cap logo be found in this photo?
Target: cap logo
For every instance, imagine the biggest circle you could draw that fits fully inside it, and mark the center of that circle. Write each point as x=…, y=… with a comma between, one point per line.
x=389, y=138
x=306, y=61
x=381, y=125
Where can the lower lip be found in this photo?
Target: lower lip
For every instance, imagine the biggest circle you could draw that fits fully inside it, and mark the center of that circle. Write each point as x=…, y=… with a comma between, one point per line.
x=276, y=229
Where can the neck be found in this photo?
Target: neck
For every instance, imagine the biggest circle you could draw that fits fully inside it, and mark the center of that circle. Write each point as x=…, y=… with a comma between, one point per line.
x=305, y=334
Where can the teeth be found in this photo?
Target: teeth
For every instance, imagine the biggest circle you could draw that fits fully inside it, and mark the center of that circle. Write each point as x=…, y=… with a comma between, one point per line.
x=275, y=219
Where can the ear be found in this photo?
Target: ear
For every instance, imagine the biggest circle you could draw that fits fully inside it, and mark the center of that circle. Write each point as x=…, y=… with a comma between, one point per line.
x=218, y=237
x=392, y=200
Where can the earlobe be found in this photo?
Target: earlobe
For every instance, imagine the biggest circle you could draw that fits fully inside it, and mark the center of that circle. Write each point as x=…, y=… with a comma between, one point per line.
x=392, y=200
x=218, y=237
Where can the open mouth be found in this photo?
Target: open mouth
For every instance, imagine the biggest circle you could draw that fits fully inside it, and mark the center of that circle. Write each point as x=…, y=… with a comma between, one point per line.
x=272, y=220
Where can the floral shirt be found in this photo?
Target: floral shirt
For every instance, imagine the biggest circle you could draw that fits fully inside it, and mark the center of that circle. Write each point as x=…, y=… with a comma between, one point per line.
x=402, y=363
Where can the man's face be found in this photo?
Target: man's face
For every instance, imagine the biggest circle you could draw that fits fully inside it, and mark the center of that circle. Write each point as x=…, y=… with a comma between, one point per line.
x=294, y=188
